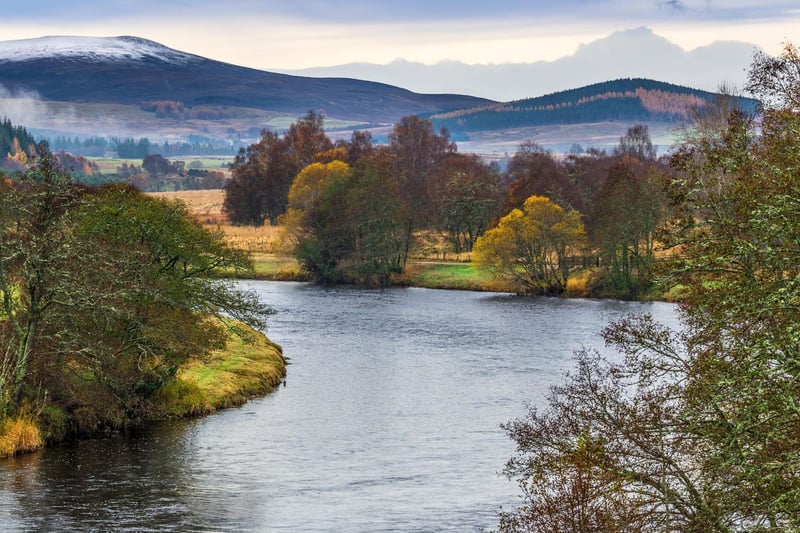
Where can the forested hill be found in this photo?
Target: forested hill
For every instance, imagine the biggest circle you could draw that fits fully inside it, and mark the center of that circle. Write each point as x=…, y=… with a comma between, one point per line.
x=626, y=100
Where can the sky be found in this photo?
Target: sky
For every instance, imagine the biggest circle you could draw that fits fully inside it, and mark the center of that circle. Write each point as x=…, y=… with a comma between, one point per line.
x=284, y=35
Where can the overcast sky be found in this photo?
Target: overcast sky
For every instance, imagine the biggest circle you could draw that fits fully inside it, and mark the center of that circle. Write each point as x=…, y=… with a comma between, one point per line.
x=280, y=34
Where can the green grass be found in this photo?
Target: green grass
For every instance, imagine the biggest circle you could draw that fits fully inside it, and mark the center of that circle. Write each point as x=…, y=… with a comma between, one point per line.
x=277, y=267
x=451, y=276
x=246, y=368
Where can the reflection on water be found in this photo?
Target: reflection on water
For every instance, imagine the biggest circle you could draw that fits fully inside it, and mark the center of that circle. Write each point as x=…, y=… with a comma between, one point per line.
x=389, y=422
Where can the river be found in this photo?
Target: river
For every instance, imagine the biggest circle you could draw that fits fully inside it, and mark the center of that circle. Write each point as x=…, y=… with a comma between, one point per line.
x=389, y=421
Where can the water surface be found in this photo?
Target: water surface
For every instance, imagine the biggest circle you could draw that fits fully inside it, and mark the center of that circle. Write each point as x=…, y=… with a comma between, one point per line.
x=390, y=421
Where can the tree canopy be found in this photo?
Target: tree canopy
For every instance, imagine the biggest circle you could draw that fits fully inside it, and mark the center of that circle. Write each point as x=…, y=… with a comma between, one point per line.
x=104, y=293
x=695, y=430
x=530, y=246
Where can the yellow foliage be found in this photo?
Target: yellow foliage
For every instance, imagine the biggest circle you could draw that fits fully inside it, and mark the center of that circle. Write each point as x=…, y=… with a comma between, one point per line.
x=531, y=246
x=310, y=182
x=19, y=435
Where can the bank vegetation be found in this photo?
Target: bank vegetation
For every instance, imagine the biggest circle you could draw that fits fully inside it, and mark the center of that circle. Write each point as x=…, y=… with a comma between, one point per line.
x=112, y=303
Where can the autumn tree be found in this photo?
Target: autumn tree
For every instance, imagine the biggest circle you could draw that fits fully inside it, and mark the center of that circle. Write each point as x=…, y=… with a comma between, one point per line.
x=627, y=210
x=418, y=151
x=466, y=195
x=305, y=195
x=351, y=226
x=263, y=173
x=630, y=207
x=530, y=246
x=535, y=171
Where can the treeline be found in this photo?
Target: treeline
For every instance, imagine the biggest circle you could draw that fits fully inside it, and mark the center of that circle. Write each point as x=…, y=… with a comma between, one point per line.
x=156, y=173
x=354, y=210
x=16, y=145
x=131, y=148
x=625, y=100
x=104, y=292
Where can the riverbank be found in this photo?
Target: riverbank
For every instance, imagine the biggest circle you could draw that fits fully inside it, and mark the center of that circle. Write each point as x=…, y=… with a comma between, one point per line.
x=248, y=367
x=451, y=275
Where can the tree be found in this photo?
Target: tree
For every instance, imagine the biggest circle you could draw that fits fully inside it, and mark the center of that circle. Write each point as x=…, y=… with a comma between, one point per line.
x=776, y=80
x=306, y=194
x=466, y=193
x=263, y=173
x=418, y=151
x=699, y=430
x=306, y=138
x=260, y=179
x=636, y=143
x=351, y=226
x=158, y=166
x=531, y=246
x=35, y=242
x=629, y=208
x=535, y=171
x=105, y=292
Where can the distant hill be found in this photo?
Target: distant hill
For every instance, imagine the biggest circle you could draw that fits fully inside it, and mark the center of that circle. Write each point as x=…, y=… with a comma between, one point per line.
x=630, y=53
x=131, y=70
x=623, y=100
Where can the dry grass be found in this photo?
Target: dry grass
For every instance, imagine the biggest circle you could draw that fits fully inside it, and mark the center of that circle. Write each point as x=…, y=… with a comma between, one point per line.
x=19, y=435
x=579, y=284
x=206, y=206
x=262, y=240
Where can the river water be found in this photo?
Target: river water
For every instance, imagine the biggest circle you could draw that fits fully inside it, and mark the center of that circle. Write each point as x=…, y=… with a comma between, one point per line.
x=389, y=421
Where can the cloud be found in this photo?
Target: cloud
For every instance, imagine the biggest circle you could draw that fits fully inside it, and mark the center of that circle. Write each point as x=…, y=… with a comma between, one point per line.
x=26, y=108
x=673, y=5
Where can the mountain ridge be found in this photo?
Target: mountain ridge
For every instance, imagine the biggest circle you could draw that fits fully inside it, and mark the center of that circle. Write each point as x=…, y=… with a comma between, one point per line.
x=627, y=100
x=82, y=74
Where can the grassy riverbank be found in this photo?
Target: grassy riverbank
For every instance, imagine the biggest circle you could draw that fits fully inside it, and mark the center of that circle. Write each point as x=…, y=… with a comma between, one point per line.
x=249, y=366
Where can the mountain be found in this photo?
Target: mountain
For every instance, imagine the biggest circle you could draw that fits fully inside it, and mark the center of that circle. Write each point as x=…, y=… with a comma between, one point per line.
x=592, y=116
x=632, y=53
x=624, y=100
x=131, y=70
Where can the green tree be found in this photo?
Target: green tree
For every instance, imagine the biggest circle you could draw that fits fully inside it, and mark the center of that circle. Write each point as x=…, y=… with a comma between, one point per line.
x=105, y=292
x=693, y=431
x=351, y=227
x=530, y=246
x=35, y=239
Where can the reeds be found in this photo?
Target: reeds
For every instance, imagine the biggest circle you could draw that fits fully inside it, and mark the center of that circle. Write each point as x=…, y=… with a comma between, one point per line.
x=19, y=435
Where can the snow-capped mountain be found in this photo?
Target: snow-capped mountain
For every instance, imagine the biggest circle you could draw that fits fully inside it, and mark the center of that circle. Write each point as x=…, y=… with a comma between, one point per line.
x=124, y=48
x=130, y=70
